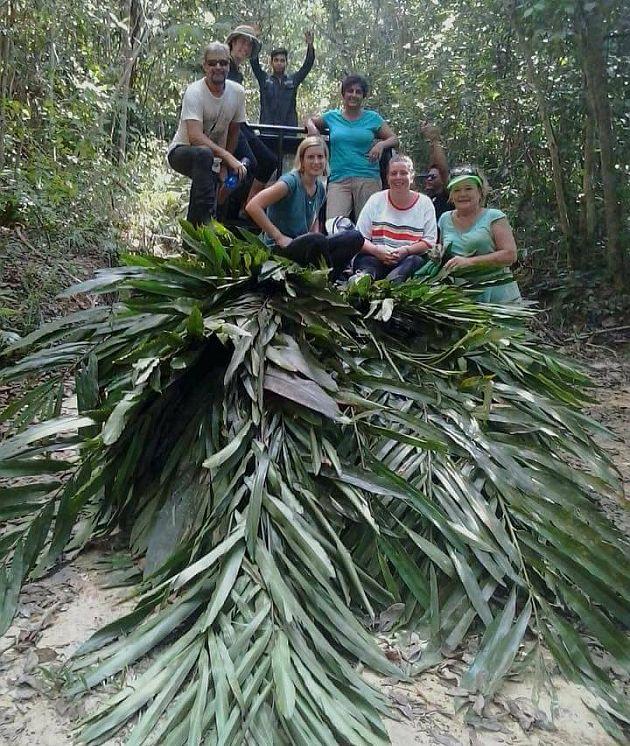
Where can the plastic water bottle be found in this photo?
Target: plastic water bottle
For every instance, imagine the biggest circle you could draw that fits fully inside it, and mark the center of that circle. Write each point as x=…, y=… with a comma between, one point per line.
x=231, y=180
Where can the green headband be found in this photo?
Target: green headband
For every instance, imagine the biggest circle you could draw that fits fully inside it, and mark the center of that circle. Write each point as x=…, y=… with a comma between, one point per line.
x=463, y=177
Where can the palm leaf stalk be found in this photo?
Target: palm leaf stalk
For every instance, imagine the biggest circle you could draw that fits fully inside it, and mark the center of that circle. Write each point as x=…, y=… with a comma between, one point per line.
x=287, y=461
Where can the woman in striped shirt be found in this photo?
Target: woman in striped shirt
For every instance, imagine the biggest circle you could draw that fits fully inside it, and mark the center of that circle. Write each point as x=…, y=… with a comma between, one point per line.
x=399, y=225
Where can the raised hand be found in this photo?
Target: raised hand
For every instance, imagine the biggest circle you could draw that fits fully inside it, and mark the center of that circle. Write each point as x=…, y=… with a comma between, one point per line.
x=430, y=131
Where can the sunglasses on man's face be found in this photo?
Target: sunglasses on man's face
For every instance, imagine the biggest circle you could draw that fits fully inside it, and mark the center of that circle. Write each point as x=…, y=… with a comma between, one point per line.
x=430, y=177
x=214, y=63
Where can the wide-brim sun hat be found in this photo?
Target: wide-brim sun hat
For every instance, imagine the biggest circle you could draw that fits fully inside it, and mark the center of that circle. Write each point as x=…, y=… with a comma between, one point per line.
x=249, y=32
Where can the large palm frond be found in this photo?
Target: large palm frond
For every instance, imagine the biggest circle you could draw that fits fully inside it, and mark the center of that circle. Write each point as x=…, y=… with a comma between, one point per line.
x=288, y=460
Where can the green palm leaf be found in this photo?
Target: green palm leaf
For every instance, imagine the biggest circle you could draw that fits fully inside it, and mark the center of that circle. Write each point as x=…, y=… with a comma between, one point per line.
x=291, y=461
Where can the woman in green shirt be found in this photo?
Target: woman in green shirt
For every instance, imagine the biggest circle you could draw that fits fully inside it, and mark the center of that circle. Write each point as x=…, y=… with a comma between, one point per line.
x=287, y=212
x=475, y=235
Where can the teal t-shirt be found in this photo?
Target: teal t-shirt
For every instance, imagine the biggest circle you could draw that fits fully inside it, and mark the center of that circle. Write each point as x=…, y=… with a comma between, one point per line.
x=294, y=214
x=350, y=142
x=475, y=241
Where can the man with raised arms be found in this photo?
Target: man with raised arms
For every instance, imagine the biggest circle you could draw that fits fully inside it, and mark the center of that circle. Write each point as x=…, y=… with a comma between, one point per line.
x=278, y=91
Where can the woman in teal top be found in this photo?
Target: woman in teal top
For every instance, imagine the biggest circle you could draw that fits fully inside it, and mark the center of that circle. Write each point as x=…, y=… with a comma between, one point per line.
x=287, y=212
x=477, y=235
x=357, y=138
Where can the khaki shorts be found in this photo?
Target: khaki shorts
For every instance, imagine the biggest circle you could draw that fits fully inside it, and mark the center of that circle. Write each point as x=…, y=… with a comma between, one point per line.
x=348, y=196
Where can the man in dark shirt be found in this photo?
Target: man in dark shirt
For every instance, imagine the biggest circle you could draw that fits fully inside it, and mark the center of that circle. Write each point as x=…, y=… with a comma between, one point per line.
x=435, y=182
x=278, y=91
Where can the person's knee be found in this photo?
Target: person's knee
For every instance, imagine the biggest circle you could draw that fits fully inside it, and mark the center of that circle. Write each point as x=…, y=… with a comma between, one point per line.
x=318, y=242
x=406, y=268
x=415, y=261
x=306, y=249
x=355, y=239
x=203, y=160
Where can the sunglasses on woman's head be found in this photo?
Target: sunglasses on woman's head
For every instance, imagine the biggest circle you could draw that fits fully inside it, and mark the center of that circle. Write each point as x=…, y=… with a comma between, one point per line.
x=463, y=171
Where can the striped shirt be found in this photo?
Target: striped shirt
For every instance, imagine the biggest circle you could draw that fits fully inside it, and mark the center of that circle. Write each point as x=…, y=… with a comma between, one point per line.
x=384, y=224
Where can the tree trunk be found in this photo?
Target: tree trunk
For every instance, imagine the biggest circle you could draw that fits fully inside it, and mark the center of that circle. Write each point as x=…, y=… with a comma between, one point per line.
x=554, y=153
x=131, y=47
x=588, y=214
x=594, y=65
x=126, y=52
x=50, y=93
x=6, y=48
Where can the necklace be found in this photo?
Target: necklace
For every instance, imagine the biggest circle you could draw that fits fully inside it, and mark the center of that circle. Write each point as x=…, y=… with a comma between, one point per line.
x=309, y=201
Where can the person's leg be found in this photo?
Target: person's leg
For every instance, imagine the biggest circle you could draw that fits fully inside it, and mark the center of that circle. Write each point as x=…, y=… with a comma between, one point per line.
x=337, y=251
x=407, y=267
x=339, y=199
x=196, y=163
x=369, y=265
x=265, y=159
x=362, y=190
x=307, y=249
x=340, y=249
x=243, y=150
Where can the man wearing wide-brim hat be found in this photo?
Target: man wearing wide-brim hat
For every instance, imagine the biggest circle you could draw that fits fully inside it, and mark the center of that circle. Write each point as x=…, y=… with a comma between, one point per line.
x=243, y=42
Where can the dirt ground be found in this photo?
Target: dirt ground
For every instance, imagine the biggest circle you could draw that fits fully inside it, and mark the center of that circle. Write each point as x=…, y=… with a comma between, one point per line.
x=59, y=612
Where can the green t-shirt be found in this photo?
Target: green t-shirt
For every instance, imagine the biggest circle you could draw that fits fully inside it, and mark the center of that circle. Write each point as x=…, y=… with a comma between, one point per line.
x=475, y=241
x=350, y=142
x=294, y=214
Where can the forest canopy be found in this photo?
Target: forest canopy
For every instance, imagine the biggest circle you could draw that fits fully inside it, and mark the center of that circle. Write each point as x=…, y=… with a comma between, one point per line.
x=536, y=92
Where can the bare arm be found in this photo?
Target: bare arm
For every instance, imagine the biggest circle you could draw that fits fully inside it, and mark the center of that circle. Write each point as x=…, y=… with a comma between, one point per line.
x=387, y=138
x=503, y=255
x=382, y=253
x=255, y=208
x=261, y=75
x=364, y=226
x=418, y=247
x=299, y=76
x=197, y=137
x=315, y=125
x=429, y=236
x=437, y=154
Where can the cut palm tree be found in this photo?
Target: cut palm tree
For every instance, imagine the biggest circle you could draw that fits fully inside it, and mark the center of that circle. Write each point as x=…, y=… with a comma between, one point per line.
x=287, y=461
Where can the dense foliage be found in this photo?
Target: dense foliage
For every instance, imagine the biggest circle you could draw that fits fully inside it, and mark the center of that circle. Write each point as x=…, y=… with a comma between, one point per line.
x=289, y=461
